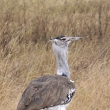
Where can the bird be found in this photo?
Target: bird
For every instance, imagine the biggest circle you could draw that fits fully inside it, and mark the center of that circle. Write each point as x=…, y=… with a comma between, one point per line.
x=51, y=92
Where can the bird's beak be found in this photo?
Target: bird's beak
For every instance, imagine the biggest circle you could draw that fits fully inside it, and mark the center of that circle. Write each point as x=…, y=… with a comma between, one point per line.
x=51, y=38
x=76, y=38
x=72, y=38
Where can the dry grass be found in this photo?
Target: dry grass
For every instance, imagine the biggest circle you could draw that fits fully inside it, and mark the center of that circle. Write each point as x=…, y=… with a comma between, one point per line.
x=25, y=27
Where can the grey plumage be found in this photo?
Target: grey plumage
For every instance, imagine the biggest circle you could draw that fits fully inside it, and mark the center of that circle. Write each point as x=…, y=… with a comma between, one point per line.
x=45, y=92
x=60, y=49
x=52, y=90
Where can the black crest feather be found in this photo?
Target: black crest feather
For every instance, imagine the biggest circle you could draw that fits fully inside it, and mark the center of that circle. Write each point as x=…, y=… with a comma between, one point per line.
x=59, y=37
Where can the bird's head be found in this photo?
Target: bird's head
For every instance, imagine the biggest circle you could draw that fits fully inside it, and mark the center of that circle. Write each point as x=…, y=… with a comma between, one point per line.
x=60, y=49
x=62, y=41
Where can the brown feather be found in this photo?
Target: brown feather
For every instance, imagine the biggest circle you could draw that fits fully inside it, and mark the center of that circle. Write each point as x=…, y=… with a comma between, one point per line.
x=44, y=92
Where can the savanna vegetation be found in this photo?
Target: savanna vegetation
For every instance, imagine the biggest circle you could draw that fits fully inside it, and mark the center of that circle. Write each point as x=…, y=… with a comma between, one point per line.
x=25, y=28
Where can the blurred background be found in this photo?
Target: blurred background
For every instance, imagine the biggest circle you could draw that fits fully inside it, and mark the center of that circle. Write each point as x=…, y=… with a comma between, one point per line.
x=25, y=29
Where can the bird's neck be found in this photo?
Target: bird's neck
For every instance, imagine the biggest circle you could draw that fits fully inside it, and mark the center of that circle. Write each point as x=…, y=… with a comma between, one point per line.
x=62, y=63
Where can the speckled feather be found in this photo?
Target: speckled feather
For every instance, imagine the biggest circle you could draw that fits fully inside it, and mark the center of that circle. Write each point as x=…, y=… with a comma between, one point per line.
x=44, y=92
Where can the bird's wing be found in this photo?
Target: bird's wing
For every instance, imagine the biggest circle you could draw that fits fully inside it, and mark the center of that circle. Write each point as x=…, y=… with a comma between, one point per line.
x=46, y=91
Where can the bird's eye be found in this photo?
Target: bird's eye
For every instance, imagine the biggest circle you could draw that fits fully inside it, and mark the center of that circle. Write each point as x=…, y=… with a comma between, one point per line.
x=63, y=39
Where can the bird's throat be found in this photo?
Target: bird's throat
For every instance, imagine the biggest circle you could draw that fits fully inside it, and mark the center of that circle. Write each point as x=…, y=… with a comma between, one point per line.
x=62, y=64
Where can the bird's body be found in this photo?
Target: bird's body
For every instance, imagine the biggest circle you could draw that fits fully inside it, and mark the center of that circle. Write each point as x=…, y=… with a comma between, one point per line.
x=47, y=91
x=51, y=92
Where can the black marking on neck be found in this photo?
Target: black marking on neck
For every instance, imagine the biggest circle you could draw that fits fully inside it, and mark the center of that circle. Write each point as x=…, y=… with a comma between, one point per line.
x=64, y=75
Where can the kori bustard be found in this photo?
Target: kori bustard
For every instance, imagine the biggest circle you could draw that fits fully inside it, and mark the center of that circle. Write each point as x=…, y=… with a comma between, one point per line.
x=51, y=92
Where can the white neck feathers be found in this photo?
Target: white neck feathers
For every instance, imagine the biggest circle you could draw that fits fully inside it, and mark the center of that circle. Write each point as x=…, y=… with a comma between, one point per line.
x=61, y=55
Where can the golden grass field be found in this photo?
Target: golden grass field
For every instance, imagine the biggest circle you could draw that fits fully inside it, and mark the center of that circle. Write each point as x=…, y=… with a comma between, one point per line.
x=25, y=28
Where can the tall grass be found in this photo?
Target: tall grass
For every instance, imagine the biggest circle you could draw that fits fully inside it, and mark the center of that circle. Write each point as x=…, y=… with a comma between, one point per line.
x=25, y=28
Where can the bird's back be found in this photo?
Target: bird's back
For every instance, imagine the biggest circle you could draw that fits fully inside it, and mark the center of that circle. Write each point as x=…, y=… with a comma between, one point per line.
x=47, y=91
